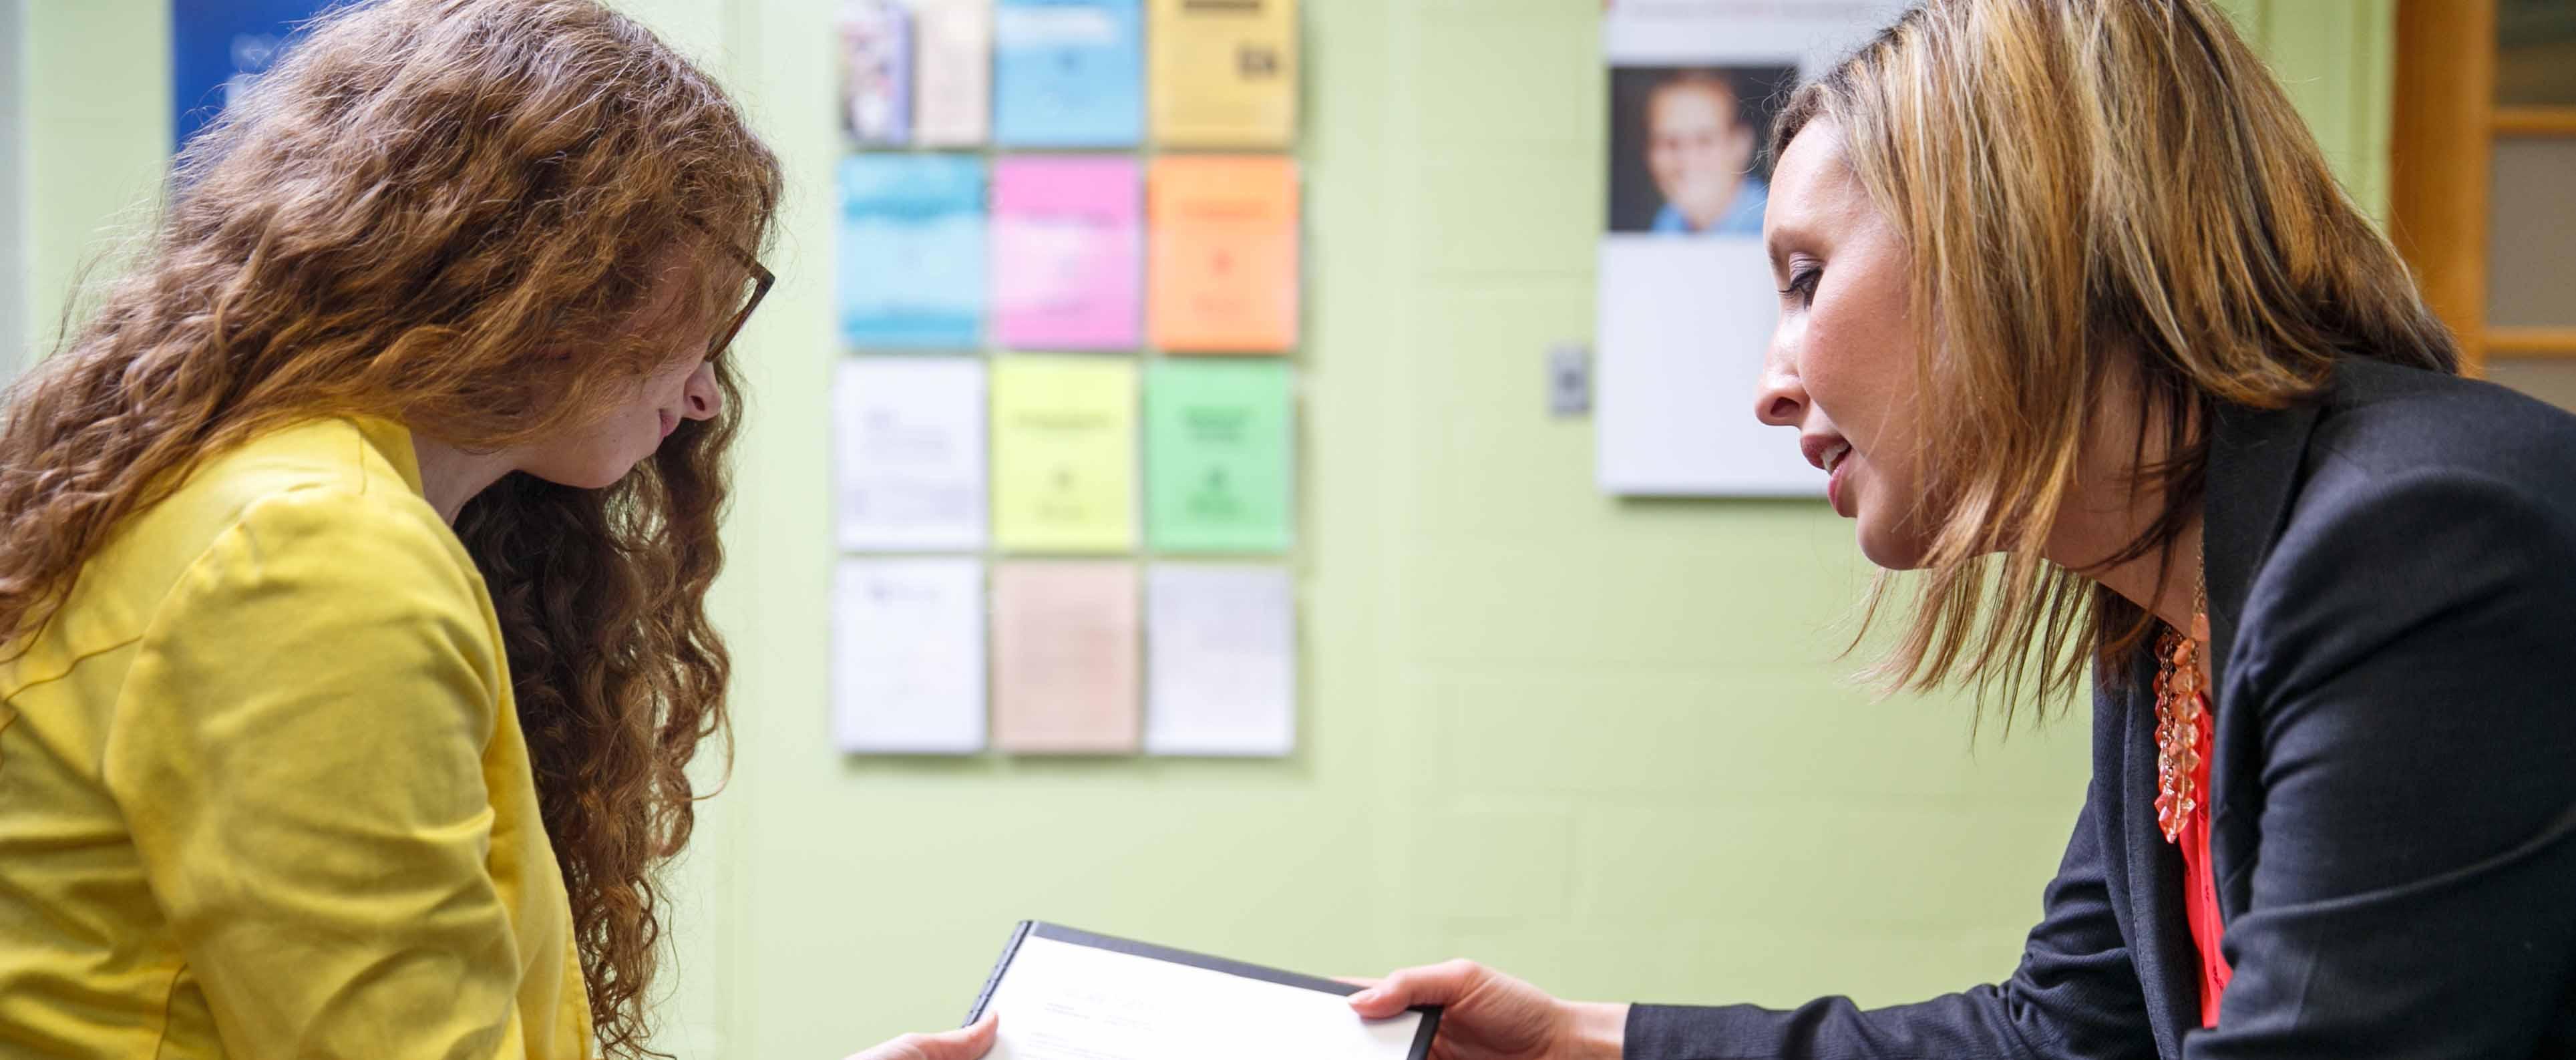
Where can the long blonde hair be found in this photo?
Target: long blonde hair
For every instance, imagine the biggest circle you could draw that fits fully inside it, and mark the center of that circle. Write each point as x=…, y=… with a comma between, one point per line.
x=449, y=213
x=2093, y=192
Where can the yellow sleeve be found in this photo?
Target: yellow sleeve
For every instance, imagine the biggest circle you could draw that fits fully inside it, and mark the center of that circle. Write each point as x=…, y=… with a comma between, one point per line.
x=299, y=753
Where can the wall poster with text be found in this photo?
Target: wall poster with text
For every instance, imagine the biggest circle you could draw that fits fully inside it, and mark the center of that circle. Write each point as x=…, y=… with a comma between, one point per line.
x=1686, y=297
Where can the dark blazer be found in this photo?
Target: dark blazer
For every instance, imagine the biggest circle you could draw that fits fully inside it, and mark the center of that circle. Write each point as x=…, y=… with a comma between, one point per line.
x=2392, y=598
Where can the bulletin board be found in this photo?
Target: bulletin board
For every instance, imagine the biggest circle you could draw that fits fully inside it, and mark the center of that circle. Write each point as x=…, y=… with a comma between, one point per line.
x=1067, y=296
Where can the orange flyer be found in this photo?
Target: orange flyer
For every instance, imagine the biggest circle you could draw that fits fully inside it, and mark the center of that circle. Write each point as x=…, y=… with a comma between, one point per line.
x=1223, y=269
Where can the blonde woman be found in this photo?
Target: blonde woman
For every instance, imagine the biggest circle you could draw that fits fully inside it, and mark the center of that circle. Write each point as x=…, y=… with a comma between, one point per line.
x=2082, y=330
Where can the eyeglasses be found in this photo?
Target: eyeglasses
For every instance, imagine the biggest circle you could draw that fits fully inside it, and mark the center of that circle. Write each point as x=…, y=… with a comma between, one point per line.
x=755, y=288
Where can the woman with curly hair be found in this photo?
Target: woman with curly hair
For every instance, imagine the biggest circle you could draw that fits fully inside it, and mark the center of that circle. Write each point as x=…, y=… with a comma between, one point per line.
x=353, y=640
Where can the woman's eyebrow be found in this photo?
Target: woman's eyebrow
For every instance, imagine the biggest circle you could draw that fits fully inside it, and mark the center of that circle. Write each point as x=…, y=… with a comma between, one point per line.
x=1775, y=244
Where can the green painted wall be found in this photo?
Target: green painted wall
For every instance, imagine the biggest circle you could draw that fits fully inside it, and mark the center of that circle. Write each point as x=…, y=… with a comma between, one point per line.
x=1604, y=745
x=98, y=134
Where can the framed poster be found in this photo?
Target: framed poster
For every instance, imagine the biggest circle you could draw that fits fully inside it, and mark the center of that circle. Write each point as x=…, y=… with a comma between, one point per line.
x=1686, y=301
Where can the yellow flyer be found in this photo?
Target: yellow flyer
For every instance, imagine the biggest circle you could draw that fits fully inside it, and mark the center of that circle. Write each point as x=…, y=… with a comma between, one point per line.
x=1224, y=73
x=1064, y=454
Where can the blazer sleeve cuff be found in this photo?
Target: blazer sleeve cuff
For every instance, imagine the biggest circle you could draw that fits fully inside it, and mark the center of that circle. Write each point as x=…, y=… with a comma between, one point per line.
x=1693, y=1032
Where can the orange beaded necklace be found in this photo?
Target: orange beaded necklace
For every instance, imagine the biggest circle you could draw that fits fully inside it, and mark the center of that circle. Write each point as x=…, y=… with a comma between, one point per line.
x=2180, y=702
x=2185, y=734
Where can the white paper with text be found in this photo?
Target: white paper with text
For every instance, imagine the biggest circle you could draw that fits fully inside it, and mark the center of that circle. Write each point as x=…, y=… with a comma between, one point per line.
x=1063, y=1001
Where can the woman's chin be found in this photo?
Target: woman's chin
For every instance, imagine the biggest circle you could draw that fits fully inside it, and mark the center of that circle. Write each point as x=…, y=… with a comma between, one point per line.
x=598, y=476
x=1886, y=550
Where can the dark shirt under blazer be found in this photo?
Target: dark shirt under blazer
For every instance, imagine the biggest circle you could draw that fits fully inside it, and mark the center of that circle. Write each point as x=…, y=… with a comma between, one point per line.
x=2392, y=605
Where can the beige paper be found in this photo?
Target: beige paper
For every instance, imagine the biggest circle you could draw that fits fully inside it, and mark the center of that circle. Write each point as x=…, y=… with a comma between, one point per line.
x=1065, y=657
x=952, y=72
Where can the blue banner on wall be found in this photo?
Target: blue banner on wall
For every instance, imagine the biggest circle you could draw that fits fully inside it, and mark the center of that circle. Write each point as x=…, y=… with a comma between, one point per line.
x=215, y=44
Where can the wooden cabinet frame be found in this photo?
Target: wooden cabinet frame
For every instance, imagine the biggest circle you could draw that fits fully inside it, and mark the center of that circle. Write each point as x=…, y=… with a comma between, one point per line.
x=2442, y=144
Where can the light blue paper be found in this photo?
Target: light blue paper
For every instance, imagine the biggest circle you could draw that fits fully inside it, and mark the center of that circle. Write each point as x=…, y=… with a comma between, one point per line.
x=1068, y=73
x=912, y=252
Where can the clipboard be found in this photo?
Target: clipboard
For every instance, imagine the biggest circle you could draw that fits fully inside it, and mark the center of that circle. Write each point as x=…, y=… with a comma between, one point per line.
x=1418, y=1048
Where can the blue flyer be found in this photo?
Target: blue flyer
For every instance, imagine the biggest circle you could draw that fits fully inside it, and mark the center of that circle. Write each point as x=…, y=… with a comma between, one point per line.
x=911, y=254
x=1068, y=73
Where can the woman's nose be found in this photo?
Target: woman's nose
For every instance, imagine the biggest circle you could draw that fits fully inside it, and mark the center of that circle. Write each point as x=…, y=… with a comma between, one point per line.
x=699, y=397
x=1780, y=400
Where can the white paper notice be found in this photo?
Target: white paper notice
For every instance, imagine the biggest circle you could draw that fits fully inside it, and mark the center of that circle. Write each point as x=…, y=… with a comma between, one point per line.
x=909, y=440
x=1061, y=1001
x=1683, y=325
x=953, y=72
x=1220, y=661
x=1683, y=32
x=908, y=656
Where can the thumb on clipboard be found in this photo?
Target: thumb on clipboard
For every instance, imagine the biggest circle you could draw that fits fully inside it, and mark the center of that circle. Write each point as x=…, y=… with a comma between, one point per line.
x=965, y=1043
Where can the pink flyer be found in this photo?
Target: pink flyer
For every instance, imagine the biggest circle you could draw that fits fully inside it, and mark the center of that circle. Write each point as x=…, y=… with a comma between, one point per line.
x=1067, y=253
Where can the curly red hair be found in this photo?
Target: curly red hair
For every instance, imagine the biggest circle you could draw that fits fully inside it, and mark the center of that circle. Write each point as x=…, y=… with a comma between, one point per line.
x=451, y=213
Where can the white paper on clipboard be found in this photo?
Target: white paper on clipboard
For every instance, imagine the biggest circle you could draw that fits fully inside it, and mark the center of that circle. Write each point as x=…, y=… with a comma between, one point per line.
x=1064, y=994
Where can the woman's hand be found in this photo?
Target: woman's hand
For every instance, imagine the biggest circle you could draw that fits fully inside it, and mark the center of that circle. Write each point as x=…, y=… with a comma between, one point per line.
x=964, y=1043
x=1487, y=1015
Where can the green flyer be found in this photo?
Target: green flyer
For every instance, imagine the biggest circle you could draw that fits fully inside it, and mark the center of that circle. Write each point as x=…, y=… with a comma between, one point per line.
x=1218, y=468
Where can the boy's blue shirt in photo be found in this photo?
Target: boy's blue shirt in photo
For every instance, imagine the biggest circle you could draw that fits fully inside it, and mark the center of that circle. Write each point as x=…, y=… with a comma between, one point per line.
x=1743, y=216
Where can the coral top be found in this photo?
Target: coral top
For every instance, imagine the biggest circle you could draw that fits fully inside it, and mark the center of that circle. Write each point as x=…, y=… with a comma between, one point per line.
x=2199, y=884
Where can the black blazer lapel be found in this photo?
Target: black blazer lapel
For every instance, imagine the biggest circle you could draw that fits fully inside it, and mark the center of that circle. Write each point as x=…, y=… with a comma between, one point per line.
x=2254, y=460
x=2159, y=936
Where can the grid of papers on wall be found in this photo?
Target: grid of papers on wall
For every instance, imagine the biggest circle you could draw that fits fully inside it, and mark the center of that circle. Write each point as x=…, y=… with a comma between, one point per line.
x=1065, y=417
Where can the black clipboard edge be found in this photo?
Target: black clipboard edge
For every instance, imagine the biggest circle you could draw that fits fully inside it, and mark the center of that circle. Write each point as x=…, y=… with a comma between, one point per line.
x=1009, y=950
x=1422, y=1034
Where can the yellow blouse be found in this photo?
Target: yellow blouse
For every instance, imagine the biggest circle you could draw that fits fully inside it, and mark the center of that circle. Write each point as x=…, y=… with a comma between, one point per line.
x=263, y=791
